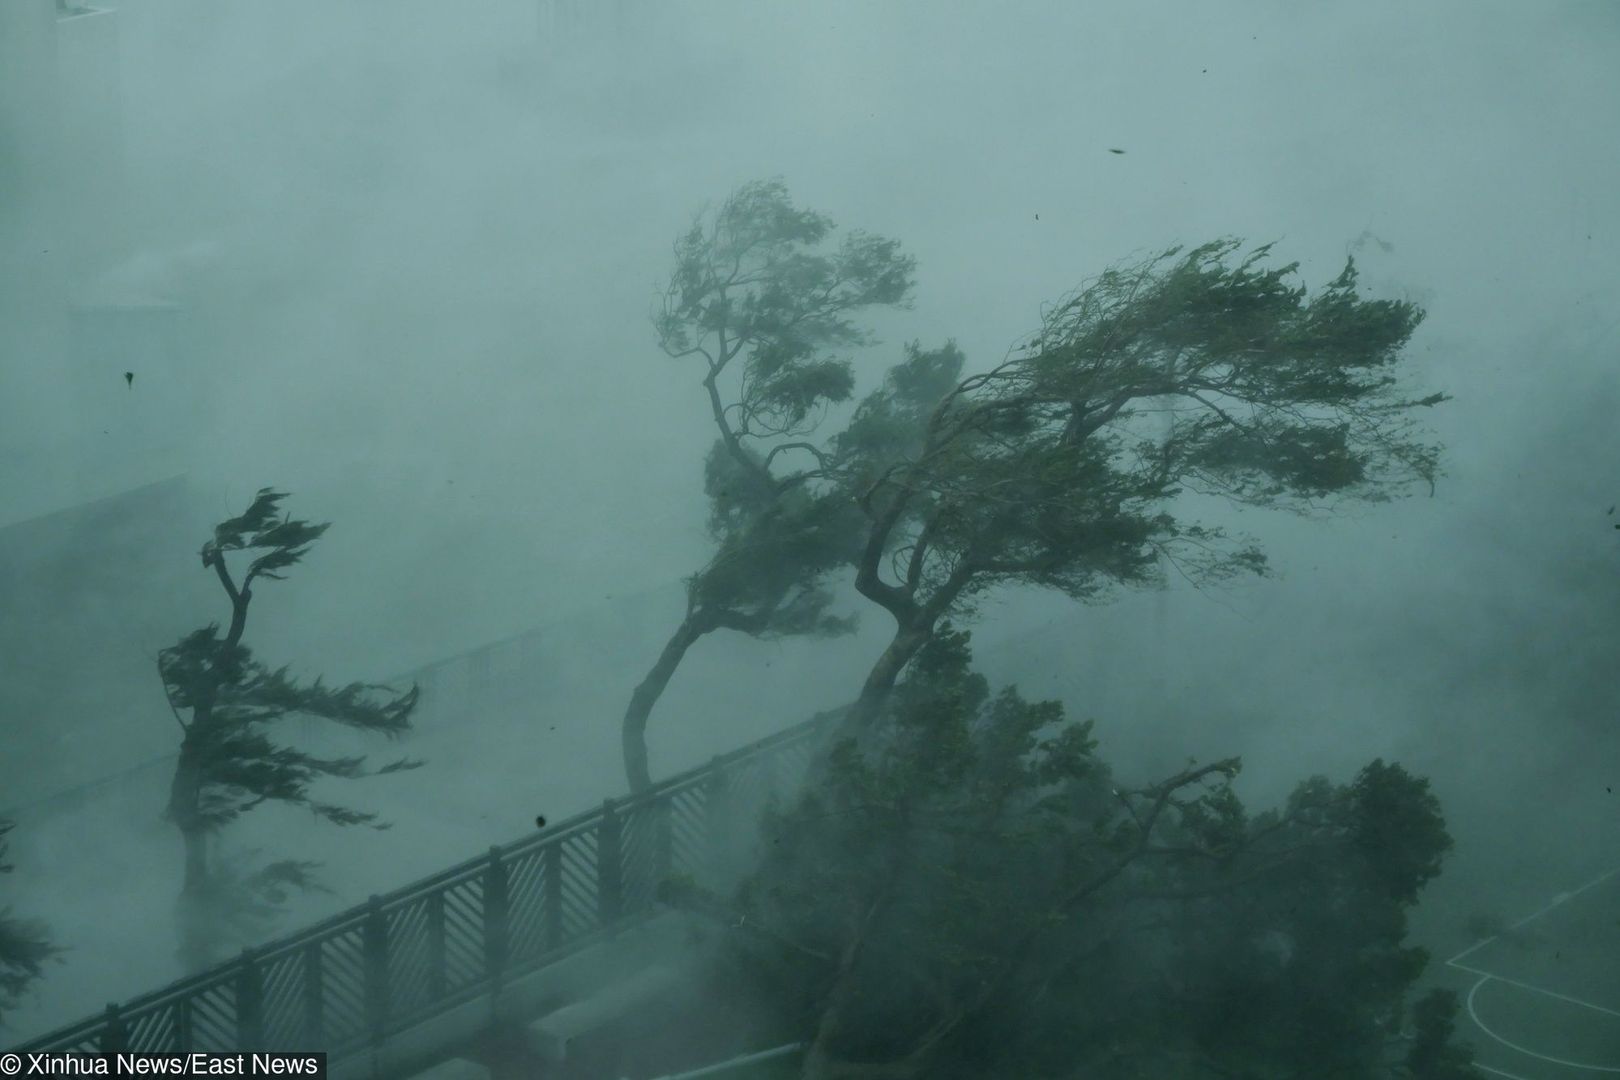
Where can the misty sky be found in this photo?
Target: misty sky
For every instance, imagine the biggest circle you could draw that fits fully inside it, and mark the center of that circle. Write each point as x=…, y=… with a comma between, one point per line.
x=416, y=245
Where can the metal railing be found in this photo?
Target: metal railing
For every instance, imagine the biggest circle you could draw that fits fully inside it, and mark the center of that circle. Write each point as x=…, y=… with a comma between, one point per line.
x=379, y=968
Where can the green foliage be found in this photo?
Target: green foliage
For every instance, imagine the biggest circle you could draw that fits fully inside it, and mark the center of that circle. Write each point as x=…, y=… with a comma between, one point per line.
x=755, y=281
x=1433, y=1054
x=774, y=547
x=229, y=760
x=283, y=541
x=890, y=425
x=1290, y=947
x=970, y=893
x=963, y=891
x=1205, y=371
x=1397, y=829
x=234, y=699
x=24, y=945
x=765, y=298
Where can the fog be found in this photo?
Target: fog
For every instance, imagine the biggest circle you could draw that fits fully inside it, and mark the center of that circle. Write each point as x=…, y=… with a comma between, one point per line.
x=398, y=260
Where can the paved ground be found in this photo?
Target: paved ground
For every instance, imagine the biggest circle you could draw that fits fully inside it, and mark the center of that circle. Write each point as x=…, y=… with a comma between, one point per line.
x=1541, y=998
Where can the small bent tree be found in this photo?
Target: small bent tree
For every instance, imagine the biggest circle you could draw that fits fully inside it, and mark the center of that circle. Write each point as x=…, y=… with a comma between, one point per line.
x=226, y=703
x=1203, y=372
x=24, y=945
x=979, y=896
x=764, y=302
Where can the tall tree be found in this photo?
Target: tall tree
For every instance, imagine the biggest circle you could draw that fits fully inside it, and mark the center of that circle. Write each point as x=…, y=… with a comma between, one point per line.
x=24, y=944
x=229, y=763
x=763, y=301
x=1204, y=371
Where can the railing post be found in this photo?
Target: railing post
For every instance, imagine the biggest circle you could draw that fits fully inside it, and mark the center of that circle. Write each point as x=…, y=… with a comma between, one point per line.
x=718, y=815
x=438, y=976
x=249, y=1003
x=314, y=995
x=554, y=895
x=609, y=866
x=113, y=1036
x=495, y=917
x=374, y=952
x=183, y=1038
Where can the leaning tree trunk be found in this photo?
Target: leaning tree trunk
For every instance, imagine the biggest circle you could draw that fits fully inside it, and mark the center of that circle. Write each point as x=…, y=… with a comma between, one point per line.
x=647, y=693
x=196, y=902
x=197, y=912
x=859, y=721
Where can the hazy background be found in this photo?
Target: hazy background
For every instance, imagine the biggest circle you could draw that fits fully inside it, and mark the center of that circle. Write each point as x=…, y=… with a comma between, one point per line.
x=397, y=258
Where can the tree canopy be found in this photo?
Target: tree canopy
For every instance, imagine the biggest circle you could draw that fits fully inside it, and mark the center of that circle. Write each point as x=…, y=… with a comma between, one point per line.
x=764, y=301
x=964, y=890
x=230, y=762
x=1207, y=372
x=979, y=895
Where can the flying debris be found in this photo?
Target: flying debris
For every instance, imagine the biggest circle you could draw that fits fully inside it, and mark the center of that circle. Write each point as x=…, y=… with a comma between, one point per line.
x=129, y=379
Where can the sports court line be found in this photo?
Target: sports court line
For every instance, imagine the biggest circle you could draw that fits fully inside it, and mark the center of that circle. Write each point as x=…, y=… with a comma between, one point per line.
x=1525, y=1050
x=1561, y=898
x=1487, y=976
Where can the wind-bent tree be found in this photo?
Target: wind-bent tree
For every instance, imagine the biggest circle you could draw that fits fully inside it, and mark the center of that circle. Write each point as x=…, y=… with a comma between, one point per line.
x=24, y=945
x=229, y=763
x=1202, y=371
x=762, y=300
x=981, y=897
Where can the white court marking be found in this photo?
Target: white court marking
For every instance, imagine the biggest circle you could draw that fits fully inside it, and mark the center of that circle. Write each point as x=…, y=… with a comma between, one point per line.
x=1486, y=976
x=1561, y=898
x=1525, y=1050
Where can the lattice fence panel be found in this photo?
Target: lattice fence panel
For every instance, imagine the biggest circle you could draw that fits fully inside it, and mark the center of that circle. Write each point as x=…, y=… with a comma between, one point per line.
x=213, y=1018
x=689, y=831
x=343, y=986
x=410, y=963
x=464, y=934
x=153, y=1029
x=526, y=910
x=283, y=977
x=580, y=914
